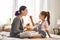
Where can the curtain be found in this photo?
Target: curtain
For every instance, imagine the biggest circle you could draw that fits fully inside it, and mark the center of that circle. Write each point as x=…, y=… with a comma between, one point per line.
x=5, y=11
x=34, y=7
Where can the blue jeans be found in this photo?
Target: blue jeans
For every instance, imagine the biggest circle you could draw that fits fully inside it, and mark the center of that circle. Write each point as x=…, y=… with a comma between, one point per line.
x=43, y=34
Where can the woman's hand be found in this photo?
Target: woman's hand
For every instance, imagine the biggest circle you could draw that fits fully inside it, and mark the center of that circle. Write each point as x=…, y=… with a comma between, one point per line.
x=50, y=37
x=28, y=27
x=28, y=24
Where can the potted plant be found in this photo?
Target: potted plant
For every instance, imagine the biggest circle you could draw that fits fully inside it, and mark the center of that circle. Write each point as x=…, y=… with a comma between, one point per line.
x=58, y=33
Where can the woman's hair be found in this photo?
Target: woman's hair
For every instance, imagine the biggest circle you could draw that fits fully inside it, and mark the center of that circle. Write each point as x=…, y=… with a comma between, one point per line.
x=46, y=14
x=19, y=11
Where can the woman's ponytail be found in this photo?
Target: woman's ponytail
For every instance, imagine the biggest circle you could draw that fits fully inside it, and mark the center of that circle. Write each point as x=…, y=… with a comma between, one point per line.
x=17, y=13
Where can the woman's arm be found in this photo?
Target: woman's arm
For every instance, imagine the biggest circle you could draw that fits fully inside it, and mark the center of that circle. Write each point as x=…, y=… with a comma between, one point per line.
x=16, y=25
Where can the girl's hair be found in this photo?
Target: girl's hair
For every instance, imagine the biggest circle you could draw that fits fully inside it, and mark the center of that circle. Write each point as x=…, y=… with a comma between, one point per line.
x=48, y=17
x=46, y=14
x=19, y=11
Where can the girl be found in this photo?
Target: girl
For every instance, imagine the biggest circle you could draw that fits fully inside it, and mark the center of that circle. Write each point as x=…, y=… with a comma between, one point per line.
x=42, y=25
x=17, y=25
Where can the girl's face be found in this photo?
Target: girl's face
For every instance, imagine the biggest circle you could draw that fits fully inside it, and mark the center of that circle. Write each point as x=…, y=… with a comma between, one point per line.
x=41, y=17
x=24, y=12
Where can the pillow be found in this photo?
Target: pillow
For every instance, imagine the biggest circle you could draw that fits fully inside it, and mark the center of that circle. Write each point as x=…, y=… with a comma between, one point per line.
x=0, y=28
x=6, y=27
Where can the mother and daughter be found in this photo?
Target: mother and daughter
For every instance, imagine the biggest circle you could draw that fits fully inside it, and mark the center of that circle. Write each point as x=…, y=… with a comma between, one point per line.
x=17, y=29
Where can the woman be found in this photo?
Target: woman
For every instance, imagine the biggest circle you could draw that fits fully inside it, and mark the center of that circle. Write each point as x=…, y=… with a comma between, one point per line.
x=17, y=25
x=42, y=25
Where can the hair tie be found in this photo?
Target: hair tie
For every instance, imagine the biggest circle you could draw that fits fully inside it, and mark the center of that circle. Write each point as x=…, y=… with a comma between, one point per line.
x=18, y=12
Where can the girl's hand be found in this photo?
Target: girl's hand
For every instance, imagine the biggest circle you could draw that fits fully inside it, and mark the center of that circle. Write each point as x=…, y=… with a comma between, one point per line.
x=32, y=20
x=30, y=16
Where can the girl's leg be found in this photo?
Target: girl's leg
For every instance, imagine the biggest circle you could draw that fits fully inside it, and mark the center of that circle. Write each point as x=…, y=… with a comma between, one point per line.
x=37, y=36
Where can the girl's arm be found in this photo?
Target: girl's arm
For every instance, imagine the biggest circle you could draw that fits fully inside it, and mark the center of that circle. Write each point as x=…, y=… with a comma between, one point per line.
x=48, y=33
x=46, y=28
x=32, y=20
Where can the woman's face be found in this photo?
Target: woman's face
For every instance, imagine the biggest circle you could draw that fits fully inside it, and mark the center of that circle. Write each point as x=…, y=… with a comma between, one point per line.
x=24, y=12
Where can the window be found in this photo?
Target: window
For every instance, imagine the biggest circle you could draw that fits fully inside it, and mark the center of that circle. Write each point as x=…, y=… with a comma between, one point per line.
x=5, y=10
x=34, y=7
x=30, y=4
x=8, y=8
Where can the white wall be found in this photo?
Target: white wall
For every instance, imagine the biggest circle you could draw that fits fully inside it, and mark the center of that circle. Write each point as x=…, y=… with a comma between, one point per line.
x=54, y=8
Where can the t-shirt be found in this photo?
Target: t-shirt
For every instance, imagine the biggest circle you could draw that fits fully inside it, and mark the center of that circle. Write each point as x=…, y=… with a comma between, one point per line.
x=44, y=26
